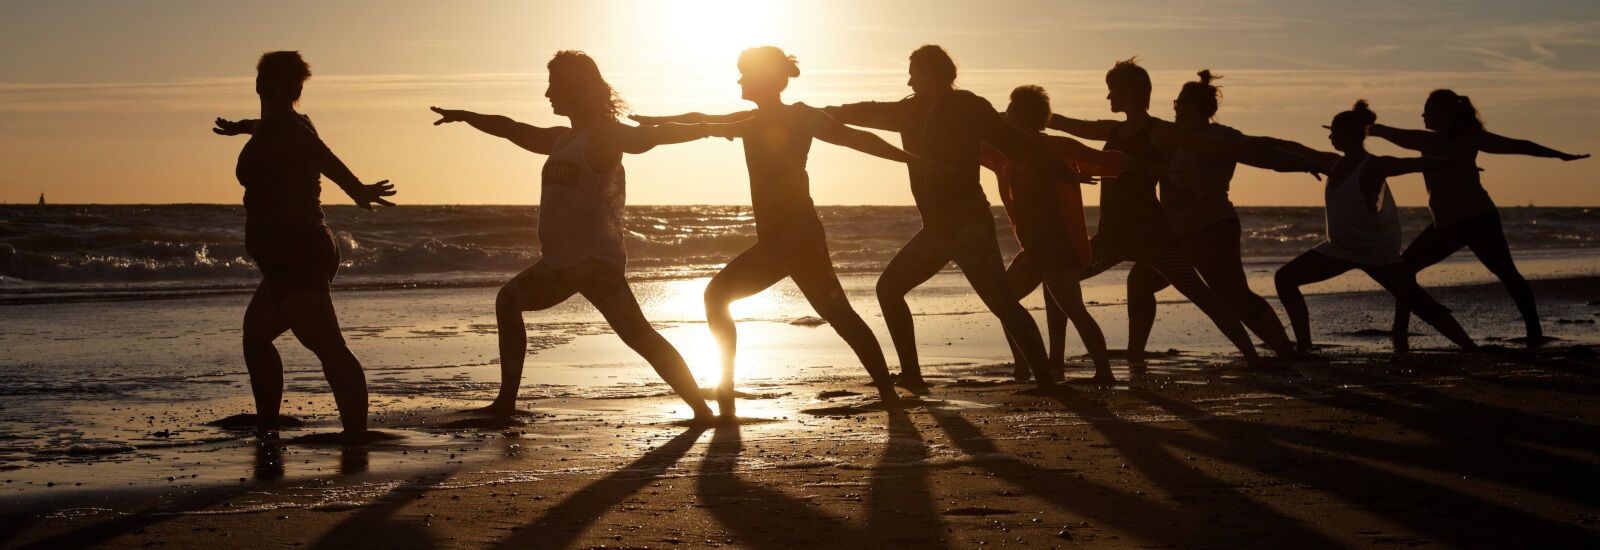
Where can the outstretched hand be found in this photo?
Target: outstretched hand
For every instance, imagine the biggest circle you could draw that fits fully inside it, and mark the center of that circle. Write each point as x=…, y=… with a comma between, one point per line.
x=449, y=115
x=1572, y=157
x=227, y=127
x=368, y=195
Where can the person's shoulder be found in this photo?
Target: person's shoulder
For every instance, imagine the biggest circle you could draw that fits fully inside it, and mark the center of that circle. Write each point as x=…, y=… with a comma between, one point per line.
x=1217, y=129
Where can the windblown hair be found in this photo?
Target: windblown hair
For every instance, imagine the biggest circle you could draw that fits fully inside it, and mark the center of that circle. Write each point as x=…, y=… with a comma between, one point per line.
x=1127, y=75
x=580, y=70
x=934, y=62
x=769, y=59
x=1463, y=116
x=1032, y=105
x=1202, y=94
x=1358, y=118
x=280, y=75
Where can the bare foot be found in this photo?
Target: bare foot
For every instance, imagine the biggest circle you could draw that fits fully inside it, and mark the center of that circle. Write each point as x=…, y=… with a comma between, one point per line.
x=914, y=385
x=497, y=408
x=1019, y=372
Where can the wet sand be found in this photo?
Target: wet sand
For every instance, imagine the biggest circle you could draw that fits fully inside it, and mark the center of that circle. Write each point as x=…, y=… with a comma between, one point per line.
x=1435, y=448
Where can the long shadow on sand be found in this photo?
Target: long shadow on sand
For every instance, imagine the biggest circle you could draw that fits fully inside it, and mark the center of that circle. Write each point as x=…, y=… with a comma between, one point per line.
x=562, y=524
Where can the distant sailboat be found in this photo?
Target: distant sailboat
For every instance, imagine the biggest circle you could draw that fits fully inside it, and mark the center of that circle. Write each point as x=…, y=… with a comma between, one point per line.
x=41, y=199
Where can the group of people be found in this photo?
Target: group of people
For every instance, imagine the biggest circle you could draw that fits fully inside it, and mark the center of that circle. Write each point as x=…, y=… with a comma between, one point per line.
x=1187, y=237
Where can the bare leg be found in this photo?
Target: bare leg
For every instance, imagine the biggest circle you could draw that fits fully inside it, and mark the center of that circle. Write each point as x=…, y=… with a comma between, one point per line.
x=978, y=256
x=538, y=287
x=316, y=325
x=816, y=279
x=919, y=260
x=1064, y=292
x=1143, y=283
x=752, y=271
x=264, y=322
x=1023, y=276
x=1400, y=282
x=1309, y=267
x=1175, y=268
x=610, y=294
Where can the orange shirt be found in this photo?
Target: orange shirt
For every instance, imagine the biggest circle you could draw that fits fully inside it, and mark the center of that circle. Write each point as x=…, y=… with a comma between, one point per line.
x=1085, y=160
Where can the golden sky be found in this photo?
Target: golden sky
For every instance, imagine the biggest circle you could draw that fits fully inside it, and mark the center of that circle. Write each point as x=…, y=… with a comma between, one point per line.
x=112, y=101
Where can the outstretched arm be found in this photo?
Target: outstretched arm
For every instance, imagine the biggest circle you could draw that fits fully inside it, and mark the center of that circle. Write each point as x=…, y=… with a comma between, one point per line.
x=1170, y=136
x=1018, y=145
x=329, y=164
x=691, y=118
x=1098, y=130
x=1500, y=145
x=1391, y=166
x=1414, y=140
x=893, y=116
x=638, y=139
x=527, y=136
x=832, y=131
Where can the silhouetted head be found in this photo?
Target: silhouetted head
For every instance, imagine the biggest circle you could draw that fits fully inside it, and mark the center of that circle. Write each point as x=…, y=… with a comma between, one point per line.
x=1029, y=108
x=1129, y=86
x=1349, y=128
x=1449, y=113
x=577, y=88
x=280, y=76
x=1197, y=100
x=932, y=70
x=765, y=71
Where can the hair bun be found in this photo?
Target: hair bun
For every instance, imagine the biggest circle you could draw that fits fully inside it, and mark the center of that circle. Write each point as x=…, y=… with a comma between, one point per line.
x=1364, y=112
x=1206, y=76
x=794, y=67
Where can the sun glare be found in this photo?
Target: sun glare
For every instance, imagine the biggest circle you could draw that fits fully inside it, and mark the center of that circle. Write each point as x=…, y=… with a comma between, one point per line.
x=707, y=35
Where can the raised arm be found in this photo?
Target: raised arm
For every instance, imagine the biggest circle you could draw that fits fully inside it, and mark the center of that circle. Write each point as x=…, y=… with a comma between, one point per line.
x=691, y=118
x=1414, y=140
x=1098, y=130
x=1489, y=142
x=880, y=115
x=527, y=136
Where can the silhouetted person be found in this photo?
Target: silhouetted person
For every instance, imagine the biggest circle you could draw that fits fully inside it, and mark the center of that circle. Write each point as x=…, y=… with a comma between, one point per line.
x=1363, y=229
x=939, y=121
x=1194, y=194
x=790, y=237
x=1046, y=214
x=580, y=223
x=1133, y=225
x=1463, y=213
x=280, y=169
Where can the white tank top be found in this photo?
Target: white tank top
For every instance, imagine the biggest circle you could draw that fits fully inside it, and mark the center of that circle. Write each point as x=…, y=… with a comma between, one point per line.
x=580, y=210
x=1355, y=232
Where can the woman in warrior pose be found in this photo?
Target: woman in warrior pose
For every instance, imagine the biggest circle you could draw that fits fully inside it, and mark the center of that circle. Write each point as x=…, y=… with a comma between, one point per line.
x=1195, y=196
x=1133, y=225
x=284, y=233
x=790, y=238
x=1363, y=229
x=940, y=121
x=1463, y=213
x=1047, y=216
x=580, y=222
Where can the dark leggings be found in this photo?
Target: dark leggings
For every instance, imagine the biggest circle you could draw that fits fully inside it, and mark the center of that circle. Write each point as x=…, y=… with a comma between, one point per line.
x=974, y=249
x=1486, y=238
x=1214, y=250
x=1164, y=261
x=1313, y=266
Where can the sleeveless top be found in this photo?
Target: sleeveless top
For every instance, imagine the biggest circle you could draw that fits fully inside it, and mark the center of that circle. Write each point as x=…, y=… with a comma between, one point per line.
x=775, y=155
x=281, y=179
x=1355, y=233
x=1131, y=217
x=580, y=210
x=1455, y=195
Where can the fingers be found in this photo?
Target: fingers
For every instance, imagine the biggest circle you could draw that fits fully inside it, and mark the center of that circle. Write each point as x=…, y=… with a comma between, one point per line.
x=384, y=202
